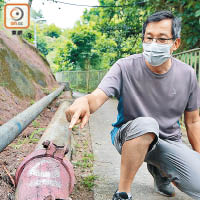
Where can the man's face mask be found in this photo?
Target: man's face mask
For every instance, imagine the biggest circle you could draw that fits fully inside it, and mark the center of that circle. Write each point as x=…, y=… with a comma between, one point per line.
x=156, y=54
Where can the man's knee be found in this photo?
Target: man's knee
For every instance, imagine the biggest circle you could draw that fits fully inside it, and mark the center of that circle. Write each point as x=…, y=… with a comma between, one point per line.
x=148, y=123
x=147, y=128
x=148, y=138
x=142, y=130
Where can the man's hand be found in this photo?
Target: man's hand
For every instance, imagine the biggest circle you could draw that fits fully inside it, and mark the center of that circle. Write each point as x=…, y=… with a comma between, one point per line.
x=78, y=112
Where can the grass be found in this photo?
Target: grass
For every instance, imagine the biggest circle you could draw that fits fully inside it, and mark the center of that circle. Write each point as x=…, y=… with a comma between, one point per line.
x=88, y=181
x=46, y=91
x=36, y=124
x=83, y=164
x=77, y=145
x=85, y=144
x=75, y=127
x=37, y=131
x=32, y=102
x=86, y=161
x=32, y=138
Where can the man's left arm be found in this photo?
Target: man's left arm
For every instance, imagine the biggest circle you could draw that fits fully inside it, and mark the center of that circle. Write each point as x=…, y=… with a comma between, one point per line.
x=192, y=123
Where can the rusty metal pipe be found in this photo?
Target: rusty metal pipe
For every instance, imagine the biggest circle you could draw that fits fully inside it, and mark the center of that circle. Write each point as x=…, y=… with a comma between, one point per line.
x=47, y=174
x=10, y=130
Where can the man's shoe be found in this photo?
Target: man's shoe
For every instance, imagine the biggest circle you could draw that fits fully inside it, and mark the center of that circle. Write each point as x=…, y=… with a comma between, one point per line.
x=162, y=185
x=121, y=196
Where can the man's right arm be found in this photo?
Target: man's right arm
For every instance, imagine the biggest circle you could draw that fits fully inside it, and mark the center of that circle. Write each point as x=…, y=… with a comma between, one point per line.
x=79, y=112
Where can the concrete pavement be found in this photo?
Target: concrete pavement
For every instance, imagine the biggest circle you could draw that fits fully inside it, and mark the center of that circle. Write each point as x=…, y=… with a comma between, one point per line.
x=107, y=160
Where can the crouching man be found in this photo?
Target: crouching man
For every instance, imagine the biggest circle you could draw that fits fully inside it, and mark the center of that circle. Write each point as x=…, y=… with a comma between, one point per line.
x=154, y=90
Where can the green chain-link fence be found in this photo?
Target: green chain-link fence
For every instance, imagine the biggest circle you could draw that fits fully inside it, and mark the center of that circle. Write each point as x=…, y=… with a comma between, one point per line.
x=81, y=80
x=191, y=57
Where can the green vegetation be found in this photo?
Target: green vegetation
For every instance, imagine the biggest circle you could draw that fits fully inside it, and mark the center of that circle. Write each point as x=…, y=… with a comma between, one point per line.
x=32, y=102
x=47, y=91
x=88, y=181
x=1, y=12
x=189, y=11
x=75, y=127
x=86, y=161
x=17, y=75
x=35, y=124
x=33, y=134
x=32, y=138
x=3, y=84
x=104, y=35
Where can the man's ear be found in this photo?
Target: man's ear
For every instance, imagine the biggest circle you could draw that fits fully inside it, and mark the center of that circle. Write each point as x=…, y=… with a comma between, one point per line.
x=176, y=44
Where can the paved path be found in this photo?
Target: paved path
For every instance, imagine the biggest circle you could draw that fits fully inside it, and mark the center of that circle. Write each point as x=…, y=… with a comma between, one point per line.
x=107, y=160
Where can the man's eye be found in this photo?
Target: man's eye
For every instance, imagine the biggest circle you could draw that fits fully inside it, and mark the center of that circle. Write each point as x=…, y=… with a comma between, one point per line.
x=149, y=38
x=162, y=39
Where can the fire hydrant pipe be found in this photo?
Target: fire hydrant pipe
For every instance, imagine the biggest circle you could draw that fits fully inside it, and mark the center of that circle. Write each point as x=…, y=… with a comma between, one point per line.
x=46, y=173
x=10, y=130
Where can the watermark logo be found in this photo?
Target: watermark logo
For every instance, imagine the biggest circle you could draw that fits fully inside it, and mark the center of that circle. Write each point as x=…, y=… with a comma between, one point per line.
x=16, y=16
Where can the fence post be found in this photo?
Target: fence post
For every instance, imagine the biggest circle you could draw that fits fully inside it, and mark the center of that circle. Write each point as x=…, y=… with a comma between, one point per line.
x=98, y=76
x=87, y=81
x=77, y=79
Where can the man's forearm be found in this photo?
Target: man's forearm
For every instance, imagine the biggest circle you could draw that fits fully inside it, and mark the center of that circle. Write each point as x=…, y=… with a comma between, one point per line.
x=193, y=132
x=94, y=100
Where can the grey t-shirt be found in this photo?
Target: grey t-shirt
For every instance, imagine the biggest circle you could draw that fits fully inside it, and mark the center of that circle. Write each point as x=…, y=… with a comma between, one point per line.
x=142, y=92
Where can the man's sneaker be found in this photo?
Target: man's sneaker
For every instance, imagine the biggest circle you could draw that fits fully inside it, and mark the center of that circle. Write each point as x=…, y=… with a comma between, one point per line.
x=162, y=185
x=121, y=196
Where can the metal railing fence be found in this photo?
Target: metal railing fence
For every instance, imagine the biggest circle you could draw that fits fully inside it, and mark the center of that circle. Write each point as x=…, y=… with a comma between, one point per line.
x=192, y=58
x=81, y=80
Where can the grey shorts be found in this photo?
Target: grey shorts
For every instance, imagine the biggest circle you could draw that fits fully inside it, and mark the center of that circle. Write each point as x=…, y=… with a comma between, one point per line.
x=174, y=159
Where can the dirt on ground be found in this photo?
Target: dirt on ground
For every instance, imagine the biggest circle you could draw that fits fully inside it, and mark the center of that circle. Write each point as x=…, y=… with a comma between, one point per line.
x=82, y=161
x=14, y=154
x=10, y=105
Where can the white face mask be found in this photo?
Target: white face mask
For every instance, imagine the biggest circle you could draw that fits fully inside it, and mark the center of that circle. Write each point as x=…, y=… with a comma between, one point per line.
x=156, y=54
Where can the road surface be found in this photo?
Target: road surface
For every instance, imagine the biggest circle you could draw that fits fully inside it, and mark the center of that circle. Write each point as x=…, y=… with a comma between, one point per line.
x=107, y=160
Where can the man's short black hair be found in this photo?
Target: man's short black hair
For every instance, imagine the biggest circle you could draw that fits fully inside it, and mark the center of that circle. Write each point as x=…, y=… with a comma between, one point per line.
x=165, y=14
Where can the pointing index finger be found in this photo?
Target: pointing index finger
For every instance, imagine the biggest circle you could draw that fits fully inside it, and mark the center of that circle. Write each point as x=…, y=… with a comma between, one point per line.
x=74, y=119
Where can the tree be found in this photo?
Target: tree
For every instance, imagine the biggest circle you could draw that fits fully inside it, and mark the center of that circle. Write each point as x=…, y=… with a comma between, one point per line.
x=28, y=34
x=42, y=46
x=2, y=2
x=79, y=51
x=121, y=24
x=124, y=24
x=103, y=35
x=52, y=31
x=189, y=12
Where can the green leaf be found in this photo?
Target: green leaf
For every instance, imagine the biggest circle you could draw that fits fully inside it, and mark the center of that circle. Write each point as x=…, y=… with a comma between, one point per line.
x=197, y=13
